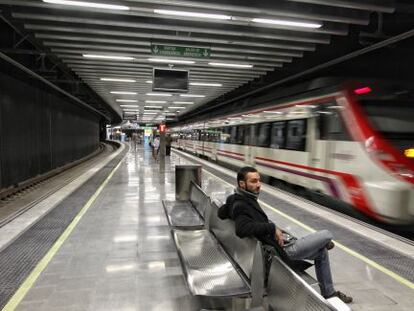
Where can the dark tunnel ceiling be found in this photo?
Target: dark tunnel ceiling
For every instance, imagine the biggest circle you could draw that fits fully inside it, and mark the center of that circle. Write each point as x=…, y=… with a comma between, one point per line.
x=65, y=33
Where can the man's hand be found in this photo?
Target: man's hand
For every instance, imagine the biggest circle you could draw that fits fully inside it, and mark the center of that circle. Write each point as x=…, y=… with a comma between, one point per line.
x=279, y=237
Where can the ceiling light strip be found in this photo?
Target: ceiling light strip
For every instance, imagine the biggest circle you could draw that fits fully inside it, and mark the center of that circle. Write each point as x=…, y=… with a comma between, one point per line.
x=89, y=4
x=281, y=22
x=192, y=14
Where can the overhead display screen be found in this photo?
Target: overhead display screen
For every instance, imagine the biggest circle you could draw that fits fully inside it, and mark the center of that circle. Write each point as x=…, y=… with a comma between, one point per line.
x=170, y=80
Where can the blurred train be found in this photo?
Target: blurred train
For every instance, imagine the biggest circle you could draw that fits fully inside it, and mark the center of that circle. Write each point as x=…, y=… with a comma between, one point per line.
x=353, y=141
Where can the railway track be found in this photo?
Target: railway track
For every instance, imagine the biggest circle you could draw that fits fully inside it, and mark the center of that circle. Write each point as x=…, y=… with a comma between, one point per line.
x=24, y=198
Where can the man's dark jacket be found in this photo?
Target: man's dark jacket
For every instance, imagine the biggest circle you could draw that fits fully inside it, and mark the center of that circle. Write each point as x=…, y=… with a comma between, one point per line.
x=251, y=221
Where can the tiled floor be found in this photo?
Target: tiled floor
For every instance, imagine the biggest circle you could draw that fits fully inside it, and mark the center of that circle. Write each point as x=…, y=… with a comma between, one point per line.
x=121, y=255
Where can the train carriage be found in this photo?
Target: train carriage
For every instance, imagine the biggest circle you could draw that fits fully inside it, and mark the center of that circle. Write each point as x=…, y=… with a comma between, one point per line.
x=352, y=141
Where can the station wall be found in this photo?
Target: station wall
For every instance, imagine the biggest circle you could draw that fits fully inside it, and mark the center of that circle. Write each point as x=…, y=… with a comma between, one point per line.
x=40, y=130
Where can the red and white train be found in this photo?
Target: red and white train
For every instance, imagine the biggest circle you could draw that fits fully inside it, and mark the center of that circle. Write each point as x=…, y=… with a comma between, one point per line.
x=353, y=141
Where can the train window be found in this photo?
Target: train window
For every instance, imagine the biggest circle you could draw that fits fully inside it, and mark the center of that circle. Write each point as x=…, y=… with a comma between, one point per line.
x=296, y=135
x=241, y=129
x=331, y=125
x=253, y=131
x=393, y=119
x=263, y=139
x=278, y=135
x=225, y=135
x=233, y=135
x=246, y=137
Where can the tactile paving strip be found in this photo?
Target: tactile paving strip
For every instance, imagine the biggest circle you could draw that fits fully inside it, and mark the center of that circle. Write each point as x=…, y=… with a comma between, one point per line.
x=19, y=258
x=396, y=262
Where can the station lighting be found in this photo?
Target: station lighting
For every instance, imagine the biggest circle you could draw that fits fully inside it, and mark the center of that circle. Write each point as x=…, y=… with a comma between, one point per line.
x=129, y=106
x=231, y=65
x=287, y=23
x=127, y=100
x=170, y=61
x=409, y=153
x=176, y=107
x=148, y=81
x=158, y=94
x=191, y=95
x=124, y=93
x=118, y=80
x=205, y=84
x=363, y=90
x=153, y=107
x=163, y=128
x=183, y=103
x=156, y=101
x=149, y=112
x=112, y=57
x=89, y=4
x=192, y=14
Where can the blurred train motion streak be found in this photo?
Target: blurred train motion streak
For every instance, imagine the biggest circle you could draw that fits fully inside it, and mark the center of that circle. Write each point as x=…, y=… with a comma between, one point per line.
x=353, y=141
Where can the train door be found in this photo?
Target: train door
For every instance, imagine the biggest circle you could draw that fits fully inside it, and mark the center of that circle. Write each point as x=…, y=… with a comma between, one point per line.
x=318, y=143
x=331, y=148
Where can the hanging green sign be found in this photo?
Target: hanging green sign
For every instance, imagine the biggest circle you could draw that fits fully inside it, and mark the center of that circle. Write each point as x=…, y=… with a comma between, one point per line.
x=179, y=51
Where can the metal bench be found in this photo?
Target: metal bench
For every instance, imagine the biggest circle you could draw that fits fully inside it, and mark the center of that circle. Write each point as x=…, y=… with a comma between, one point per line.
x=287, y=291
x=216, y=263
x=187, y=214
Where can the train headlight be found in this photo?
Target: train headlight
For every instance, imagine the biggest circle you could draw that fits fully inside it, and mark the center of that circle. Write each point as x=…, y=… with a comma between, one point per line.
x=409, y=153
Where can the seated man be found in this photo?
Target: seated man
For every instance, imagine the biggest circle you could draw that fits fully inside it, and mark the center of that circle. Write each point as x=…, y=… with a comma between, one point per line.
x=251, y=221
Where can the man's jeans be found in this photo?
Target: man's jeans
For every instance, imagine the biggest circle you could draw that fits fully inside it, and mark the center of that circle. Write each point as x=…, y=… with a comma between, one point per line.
x=313, y=247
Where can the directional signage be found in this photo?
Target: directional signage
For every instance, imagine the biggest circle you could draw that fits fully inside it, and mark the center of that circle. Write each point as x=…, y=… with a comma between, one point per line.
x=179, y=51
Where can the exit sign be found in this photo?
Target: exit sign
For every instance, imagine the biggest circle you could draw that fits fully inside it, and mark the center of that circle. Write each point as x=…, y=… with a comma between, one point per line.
x=179, y=51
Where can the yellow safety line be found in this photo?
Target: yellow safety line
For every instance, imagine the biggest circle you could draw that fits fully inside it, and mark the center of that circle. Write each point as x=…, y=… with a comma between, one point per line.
x=351, y=252
x=31, y=279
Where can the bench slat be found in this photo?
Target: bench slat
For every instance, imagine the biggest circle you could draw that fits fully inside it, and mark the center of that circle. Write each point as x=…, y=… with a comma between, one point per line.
x=207, y=269
x=287, y=291
x=182, y=214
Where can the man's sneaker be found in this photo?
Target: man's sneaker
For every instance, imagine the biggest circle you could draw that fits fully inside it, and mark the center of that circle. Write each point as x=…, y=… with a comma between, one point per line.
x=330, y=245
x=342, y=296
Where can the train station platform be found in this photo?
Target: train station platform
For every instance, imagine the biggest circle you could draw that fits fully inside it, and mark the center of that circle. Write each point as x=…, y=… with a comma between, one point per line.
x=118, y=254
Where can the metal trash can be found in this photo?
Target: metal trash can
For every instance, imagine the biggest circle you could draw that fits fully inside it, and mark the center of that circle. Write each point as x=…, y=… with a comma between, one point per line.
x=184, y=174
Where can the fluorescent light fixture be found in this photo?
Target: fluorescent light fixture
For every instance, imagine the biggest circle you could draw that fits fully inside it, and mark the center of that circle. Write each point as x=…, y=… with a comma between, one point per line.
x=155, y=107
x=108, y=57
x=191, y=95
x=231, y=65
x=192, y=14
x=127, y=100
x=149, y=112
x=286, y=23
x=171, y=61
x=89, y=4
x=158, y=94
x=118, y=80
x=156, y=101
x=130, y=106
x=205, y=84
x=176, y=107
x=124, y=93
x=183, y=103
x=148, y=81
x=129, y=112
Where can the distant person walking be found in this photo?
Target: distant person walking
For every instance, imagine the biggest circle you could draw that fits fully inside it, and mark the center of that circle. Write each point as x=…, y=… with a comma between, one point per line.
x=168, y=140
x=155, y=147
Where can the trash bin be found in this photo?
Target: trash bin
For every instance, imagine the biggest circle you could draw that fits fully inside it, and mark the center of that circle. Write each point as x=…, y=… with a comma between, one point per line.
x=184, y=174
